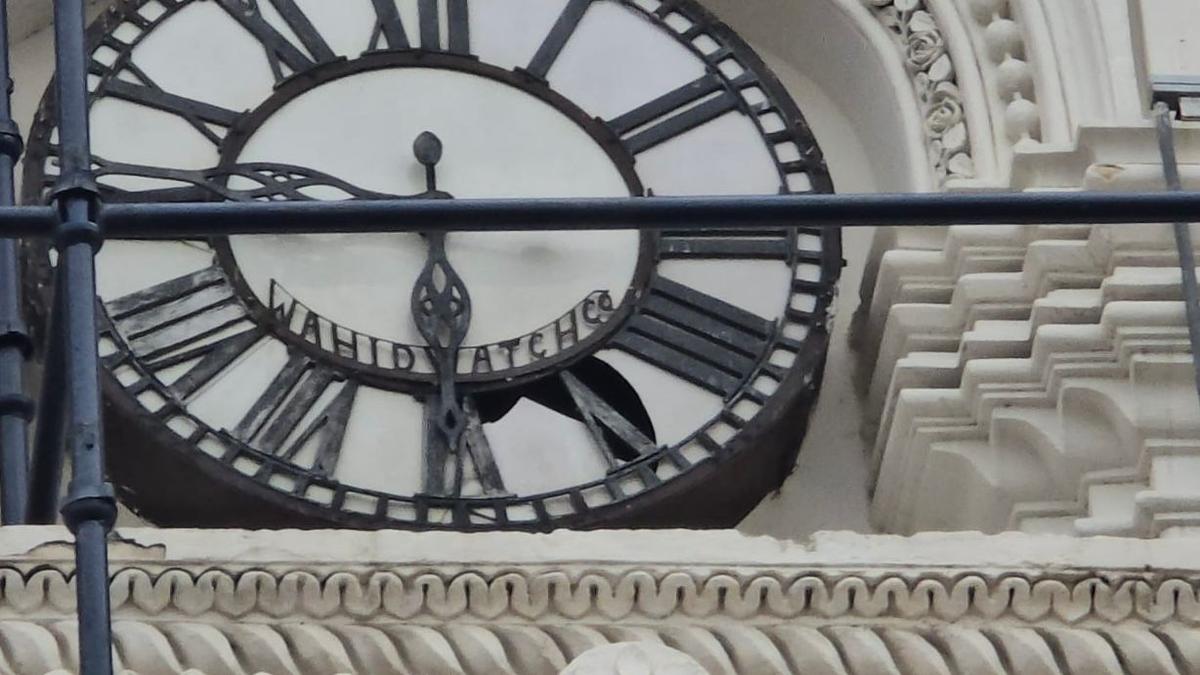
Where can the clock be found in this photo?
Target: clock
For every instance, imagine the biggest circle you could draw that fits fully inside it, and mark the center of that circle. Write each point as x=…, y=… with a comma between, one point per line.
x=461, y=380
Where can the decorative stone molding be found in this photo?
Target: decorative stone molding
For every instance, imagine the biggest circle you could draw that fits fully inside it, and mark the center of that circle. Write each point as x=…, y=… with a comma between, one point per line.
x=1004, y=44
x=213, y=602
x=236, y=649
x=1047, y=367
x=1096, y=413
x=638, y=595
x=925, y=300
x=990, y=84
x=928, y=62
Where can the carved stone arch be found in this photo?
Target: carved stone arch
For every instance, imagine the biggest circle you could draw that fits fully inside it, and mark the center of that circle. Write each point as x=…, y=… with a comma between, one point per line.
x=940, y=90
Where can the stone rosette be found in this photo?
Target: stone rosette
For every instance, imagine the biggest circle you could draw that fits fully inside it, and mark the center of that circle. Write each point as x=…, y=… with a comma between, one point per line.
x=932, y=71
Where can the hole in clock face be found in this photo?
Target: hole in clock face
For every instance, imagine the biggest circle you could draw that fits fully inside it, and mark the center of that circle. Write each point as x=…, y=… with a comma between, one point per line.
x=552, y=394
x=499, y=142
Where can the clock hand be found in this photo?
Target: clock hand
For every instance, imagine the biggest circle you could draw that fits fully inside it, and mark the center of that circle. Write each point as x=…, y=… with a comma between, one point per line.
x=271, y=181
x=441, y=305
x=441, y=309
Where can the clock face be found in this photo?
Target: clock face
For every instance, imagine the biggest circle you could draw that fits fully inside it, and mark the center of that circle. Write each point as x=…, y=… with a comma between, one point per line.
x=470, y=380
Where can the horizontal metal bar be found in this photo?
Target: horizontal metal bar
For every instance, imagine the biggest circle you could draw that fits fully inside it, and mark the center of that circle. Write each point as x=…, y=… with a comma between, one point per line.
x=180, y=220
x=173, y=220
x=229, y=218
x=27, y=221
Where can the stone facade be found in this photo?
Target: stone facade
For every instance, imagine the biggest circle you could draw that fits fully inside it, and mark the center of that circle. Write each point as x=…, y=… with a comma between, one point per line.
x=1039, y=378
x=1032, y=380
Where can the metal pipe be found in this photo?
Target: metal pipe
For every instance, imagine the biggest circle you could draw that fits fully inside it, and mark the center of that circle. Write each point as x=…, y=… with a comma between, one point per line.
x=27, y=221
x=167, y=221
x=16, y=408
x=175, y=220
x=48, y=451
x=95, y=629
x=90, y=507
x=1183, y=233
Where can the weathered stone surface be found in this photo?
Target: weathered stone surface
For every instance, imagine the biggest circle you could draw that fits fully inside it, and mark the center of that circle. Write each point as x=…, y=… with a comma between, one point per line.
x=1039, y=378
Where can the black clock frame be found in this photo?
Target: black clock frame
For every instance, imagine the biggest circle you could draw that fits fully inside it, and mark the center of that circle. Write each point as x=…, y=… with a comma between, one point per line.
x=760, y=452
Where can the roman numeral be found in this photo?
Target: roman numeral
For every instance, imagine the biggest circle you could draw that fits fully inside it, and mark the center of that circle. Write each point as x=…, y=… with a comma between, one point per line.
x=174, y=315
x=181, y=321
x=598, y=415
x=388, y=26
x=458, y=25
x=331, y=425
x=562, y=31
x=444, y=466
x=696, y=337
x=675, y=113
x=290, y=397
x=214, y=359
x=431, y=25
x=280, y=51
x=202, y=116
x=764, y=244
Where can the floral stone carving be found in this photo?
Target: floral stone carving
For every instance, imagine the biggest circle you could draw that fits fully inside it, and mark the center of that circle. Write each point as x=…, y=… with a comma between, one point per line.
x=933, y=76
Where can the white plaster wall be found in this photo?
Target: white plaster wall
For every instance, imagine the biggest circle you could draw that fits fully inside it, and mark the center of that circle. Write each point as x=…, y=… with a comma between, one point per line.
x=842, y=69
x=26, y=17
x=848, y=60
x=827, y=490
x=1172, y=35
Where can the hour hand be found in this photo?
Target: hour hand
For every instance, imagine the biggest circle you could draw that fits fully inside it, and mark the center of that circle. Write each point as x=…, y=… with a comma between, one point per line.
x=253, y=181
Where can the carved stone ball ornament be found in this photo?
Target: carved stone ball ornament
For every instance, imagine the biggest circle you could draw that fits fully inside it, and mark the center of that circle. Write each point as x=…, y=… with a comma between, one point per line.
x=484, y=380
x=634, y=658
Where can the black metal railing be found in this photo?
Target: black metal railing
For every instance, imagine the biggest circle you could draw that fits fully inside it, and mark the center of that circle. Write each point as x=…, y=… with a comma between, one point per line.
x=77, y=221
x=16, y=409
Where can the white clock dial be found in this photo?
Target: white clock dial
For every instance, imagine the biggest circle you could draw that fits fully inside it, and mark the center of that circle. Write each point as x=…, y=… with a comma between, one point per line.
x=473, y=380
x=518, y=280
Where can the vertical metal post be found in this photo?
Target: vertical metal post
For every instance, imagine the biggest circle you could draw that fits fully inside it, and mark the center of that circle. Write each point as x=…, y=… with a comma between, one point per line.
x=16, y=408
x=1183, y=232
x=90, y=507
x=48, y=452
